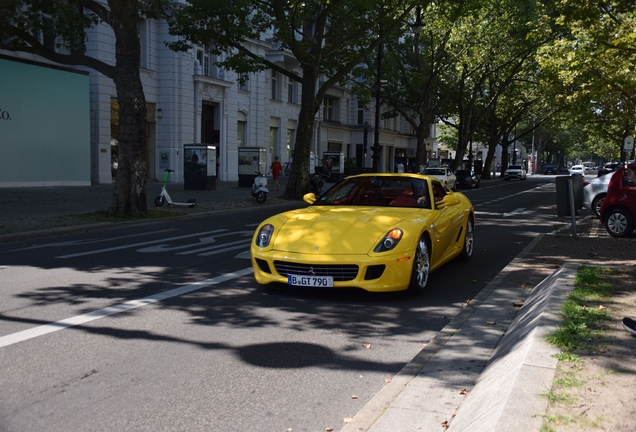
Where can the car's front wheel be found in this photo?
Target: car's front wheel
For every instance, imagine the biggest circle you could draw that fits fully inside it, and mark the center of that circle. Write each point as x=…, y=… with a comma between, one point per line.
x=596, y=204
x=421, y=266
x=469, y=241
x=619, y=223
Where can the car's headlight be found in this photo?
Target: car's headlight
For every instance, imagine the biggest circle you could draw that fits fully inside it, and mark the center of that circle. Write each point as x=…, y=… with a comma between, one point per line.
x=264, y=235
x=390, y=240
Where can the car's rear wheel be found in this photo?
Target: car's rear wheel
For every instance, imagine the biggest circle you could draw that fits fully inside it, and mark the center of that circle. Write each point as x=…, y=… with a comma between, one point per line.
x=619, y=222
x=421, y=266
x=469, y=241
x=596, y=204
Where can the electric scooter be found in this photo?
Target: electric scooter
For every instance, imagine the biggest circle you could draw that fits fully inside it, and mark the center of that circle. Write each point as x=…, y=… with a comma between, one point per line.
x=259, y=188
x=163, y=196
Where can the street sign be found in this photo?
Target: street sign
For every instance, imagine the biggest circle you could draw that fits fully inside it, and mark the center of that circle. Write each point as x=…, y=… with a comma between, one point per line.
x=628, y=144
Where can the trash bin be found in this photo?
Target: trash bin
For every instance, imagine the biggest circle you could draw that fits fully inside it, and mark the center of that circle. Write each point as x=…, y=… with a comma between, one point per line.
x=563, y=194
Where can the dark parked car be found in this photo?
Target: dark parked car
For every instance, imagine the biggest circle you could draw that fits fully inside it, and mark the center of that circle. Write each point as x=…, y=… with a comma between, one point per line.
x=466, y=179
x=608, y=168
x=618, y=211
x=549, y=169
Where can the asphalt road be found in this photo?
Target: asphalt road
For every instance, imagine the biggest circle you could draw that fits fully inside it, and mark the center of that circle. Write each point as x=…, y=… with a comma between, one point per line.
x=162, y=326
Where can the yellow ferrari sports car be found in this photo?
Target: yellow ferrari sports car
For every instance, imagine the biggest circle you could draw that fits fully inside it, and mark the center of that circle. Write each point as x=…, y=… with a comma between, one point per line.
x=378, y=232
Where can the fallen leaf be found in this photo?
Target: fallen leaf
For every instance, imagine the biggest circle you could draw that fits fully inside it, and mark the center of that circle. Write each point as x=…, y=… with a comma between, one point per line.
x=474, y=280
x=367, y=346
x=328, y=429
x=517, y=304
x=467, y=301
x=523, y=286
x=491, y=322
x=601, y=307
x=444, y=424
x=388, y=380
x=354, y=397
x=348, y=419
x=463, y=391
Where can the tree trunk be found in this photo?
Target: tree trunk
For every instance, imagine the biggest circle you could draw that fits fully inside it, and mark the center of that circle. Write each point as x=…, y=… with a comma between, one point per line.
x=129, y=198
x=298, y=184
x=423, y=131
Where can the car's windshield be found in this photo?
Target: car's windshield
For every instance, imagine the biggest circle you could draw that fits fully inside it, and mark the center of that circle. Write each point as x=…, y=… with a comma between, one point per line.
x=435, y=171
x=394, y=191
x=462, y=173
x=515, y=167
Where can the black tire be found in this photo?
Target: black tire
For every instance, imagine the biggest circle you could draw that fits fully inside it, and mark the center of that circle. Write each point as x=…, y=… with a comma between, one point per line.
x=596, y=204
x=619, y=222
x=469, y=241
x=159, y=201
x=421, y=266
x=261, y=197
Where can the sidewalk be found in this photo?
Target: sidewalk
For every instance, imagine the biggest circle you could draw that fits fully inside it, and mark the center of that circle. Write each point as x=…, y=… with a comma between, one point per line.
x=485, y=371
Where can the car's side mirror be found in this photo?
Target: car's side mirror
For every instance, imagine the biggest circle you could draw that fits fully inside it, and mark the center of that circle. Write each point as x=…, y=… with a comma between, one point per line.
x=309, y=198
x=447, y=201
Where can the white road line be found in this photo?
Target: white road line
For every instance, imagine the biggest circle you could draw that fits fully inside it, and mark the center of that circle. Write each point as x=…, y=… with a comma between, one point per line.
x=112, y=310
x=140, y=244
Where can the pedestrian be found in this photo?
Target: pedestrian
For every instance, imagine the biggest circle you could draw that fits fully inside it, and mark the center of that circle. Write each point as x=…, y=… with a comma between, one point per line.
x=276, y=168
x=400, y=168
x=629, y=325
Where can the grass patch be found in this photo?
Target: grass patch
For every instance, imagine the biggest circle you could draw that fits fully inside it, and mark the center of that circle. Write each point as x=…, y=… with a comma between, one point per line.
x=568, y=381
x=558, y=397
x=582, y=319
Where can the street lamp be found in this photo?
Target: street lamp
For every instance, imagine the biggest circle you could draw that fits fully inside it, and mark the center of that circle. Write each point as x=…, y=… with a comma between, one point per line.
x=376, y=148
x=376, y=133
x=418, y=25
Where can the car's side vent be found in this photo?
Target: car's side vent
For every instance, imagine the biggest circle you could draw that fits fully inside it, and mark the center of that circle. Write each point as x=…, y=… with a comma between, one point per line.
x=262, y=264
x=374, y=272
x=459, y=235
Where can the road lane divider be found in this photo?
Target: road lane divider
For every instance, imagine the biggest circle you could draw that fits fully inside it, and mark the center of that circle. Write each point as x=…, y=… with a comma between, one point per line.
x=119, y=308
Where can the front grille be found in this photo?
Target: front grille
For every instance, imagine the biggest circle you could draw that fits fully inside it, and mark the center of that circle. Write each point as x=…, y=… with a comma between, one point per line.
x=340, y=273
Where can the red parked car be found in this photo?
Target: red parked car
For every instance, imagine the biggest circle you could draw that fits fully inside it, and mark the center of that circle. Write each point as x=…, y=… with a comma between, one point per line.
x=618, y=211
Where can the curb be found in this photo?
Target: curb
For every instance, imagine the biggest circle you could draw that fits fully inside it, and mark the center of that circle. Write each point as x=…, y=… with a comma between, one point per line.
x=506, y=355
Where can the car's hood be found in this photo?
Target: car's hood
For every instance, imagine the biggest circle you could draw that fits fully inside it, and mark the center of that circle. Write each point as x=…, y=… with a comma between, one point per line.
x=339, y=230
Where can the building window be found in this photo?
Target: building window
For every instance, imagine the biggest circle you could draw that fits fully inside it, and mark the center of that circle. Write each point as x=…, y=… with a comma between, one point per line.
x=207, y=61
x=360, y=113
x=203, y=58
x=330, y=108
x=241, y=130
x=292, y=91
x=243, y=82
x=144, y=43
x=276, y=84
x=273, y=140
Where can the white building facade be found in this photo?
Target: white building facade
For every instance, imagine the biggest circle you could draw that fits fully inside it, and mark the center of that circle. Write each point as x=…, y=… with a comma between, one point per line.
x=192, y=100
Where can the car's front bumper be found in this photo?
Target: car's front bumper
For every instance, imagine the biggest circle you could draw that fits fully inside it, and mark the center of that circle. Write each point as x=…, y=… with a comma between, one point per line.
x=517, y=176
x=385, y=272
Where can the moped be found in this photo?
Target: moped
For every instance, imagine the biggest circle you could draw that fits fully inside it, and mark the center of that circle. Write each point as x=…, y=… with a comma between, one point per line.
x=259, y=188
x=164, y=197
x=317, y=180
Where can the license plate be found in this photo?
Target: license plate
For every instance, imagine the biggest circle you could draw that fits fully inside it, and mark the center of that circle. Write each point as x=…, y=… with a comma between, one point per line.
x=311, y=281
